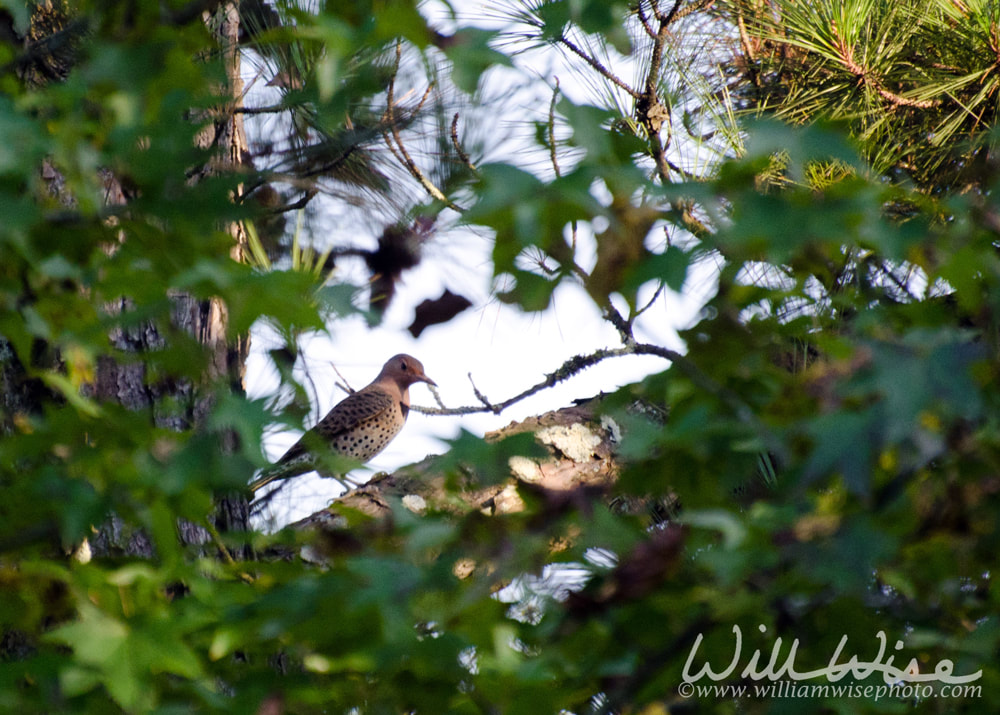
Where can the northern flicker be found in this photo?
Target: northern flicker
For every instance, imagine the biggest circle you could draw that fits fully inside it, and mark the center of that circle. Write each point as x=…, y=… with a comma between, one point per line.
x=359, y=426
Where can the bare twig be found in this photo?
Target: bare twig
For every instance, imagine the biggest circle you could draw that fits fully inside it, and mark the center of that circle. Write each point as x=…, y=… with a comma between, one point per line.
x=308, y=196
x=652, y=113
x=273, y=109
x=552, y=152
x=681, y=12
x=552, y=129
x=569, y=368
x=623, y=326
x=901, y=101
x=645, y=21
x=393, y=150
x=669, y=17
x=437, y=394
x=315, y=392
x=226, y=555
x=458, y=146
x=482, y=398
x=593, y=62
x=900, y=283
x=344, y=384
x=259, y=503
x=656, y=294
x=748, y=51
x=579, y=363
x=682, y=172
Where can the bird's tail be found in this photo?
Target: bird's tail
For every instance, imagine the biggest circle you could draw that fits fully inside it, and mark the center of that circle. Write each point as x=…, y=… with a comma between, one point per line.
x=263, y=480
x=279, y=471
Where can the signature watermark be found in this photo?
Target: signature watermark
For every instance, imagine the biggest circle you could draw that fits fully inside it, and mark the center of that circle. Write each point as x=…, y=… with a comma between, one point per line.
x=791, y=689
x=786, y=681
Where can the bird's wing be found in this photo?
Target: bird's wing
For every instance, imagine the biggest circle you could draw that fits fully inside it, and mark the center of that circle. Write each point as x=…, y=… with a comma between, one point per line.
x=358, y=407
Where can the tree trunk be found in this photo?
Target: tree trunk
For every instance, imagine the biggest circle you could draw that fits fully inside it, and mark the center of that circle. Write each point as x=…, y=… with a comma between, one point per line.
x=206, y=320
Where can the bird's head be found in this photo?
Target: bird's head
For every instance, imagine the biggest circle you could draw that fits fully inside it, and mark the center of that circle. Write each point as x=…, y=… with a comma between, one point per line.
x=404, y=370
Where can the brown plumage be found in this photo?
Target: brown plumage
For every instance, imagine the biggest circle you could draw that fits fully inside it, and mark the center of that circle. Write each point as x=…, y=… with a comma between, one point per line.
x=360, y=426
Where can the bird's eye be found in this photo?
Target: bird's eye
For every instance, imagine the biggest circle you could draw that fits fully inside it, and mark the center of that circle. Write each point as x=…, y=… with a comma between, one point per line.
x=404, y=366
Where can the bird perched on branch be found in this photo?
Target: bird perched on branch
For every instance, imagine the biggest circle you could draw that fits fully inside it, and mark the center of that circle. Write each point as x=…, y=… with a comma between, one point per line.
x=358, y=427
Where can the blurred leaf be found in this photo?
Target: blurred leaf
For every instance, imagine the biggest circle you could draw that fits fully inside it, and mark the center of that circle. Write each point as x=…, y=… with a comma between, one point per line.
x=471, y=55
x=487, y=462
x=71, y=392
x=733, y=532
x=122, y=657
x=669, y=267
x=530, y=291
x=439, y=310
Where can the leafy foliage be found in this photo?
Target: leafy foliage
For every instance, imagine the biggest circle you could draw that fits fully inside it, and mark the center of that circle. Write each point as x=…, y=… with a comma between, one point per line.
x=913, y=79
x=831, y=445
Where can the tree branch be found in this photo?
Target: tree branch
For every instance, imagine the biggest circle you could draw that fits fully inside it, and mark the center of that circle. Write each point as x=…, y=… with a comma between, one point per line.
x=645, y=21
x=273, y=109
x=458, y=146
x=579, y=363
x=552, y=130
x=593, y=62
x=870, y=79
x=652, y=114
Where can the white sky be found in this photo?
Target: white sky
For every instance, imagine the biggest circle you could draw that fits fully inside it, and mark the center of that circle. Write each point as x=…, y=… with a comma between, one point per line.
x=505, y=349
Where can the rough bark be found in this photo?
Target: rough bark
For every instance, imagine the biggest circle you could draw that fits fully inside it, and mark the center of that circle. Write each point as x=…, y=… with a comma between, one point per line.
x=126, y=382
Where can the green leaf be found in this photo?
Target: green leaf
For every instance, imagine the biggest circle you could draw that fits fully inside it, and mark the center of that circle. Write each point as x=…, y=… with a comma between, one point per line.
x=669, y=267
x=488, y=462
x=530, y=291
x=846, y=442
x=608, y=19
x=525, y=212
x=122, y=657
x=71, y=392
x=471, y=56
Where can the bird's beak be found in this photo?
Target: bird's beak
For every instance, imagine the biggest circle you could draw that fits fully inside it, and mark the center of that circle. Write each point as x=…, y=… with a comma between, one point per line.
x=424, y=378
